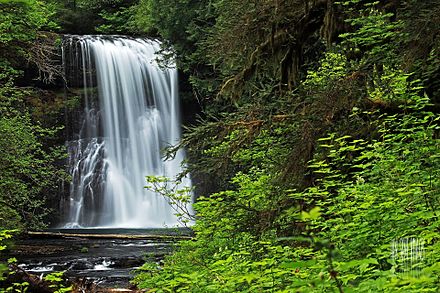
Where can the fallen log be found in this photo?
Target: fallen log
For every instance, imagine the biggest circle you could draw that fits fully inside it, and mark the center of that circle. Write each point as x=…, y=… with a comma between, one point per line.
x=108, y=236
x=35, y=284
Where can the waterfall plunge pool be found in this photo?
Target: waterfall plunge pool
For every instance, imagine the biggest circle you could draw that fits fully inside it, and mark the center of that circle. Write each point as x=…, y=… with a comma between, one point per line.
x=106, y=257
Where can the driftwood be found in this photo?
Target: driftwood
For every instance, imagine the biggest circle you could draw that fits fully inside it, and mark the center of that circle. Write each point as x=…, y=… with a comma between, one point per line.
x=36, y=284
x=108, y=236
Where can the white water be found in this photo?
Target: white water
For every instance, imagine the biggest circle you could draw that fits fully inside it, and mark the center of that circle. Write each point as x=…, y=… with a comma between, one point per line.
x=123, y=135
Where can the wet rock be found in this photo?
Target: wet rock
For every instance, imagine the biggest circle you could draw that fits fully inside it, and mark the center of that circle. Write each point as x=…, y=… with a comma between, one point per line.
x=108, y=262
x=130, y=262
x=81, y=265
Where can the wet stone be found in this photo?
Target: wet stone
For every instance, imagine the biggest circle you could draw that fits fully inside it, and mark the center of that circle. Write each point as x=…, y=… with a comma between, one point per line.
x=105, y=262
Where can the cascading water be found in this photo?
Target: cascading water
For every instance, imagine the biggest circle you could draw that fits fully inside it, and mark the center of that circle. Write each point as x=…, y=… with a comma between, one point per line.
x=130, y=113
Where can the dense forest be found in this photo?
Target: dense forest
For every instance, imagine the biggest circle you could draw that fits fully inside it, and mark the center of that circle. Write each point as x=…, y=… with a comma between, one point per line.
x=312, y=133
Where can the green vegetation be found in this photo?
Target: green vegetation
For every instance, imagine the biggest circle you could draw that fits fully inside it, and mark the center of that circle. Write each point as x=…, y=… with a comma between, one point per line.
x=315, y=158
x=57, y=282
x=27, y=164
x=29, y=154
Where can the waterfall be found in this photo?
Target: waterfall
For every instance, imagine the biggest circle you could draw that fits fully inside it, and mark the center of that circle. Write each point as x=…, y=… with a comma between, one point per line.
x=129, y=113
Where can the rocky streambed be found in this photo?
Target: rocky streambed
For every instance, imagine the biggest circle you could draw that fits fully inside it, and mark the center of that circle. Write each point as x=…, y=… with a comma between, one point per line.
x=104, y=257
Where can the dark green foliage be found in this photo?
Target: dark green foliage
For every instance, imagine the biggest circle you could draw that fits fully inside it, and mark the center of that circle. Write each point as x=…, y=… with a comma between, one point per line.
x=119, y=22
x=318, y=180
x=27, y=170
x=422, y=29
x=368, y=194
x=101, y=16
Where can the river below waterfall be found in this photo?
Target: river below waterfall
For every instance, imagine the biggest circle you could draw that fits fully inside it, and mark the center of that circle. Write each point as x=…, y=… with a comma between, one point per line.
x=100, y=258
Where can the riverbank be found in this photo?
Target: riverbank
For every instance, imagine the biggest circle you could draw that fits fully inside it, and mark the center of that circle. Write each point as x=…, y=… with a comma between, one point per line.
x=103, y=259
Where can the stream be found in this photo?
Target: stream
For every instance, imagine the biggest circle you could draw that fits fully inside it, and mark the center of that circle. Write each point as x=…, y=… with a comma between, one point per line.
x=101, y=258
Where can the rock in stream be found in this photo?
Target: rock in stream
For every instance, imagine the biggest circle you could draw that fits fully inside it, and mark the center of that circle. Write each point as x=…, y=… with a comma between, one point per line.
x=98, y=258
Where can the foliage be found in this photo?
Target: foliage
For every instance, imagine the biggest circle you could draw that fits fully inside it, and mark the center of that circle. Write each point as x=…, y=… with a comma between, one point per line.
x=370, y=193
x=58, y=282
x=323, y=188
x=423, y=42
x=376, y=36
x=389, y=194
x=5, y=235
x=56, y=279
x=178, y=198
x=27, y=167
x=97, y=16
x=117, y=22
x=20, y=22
